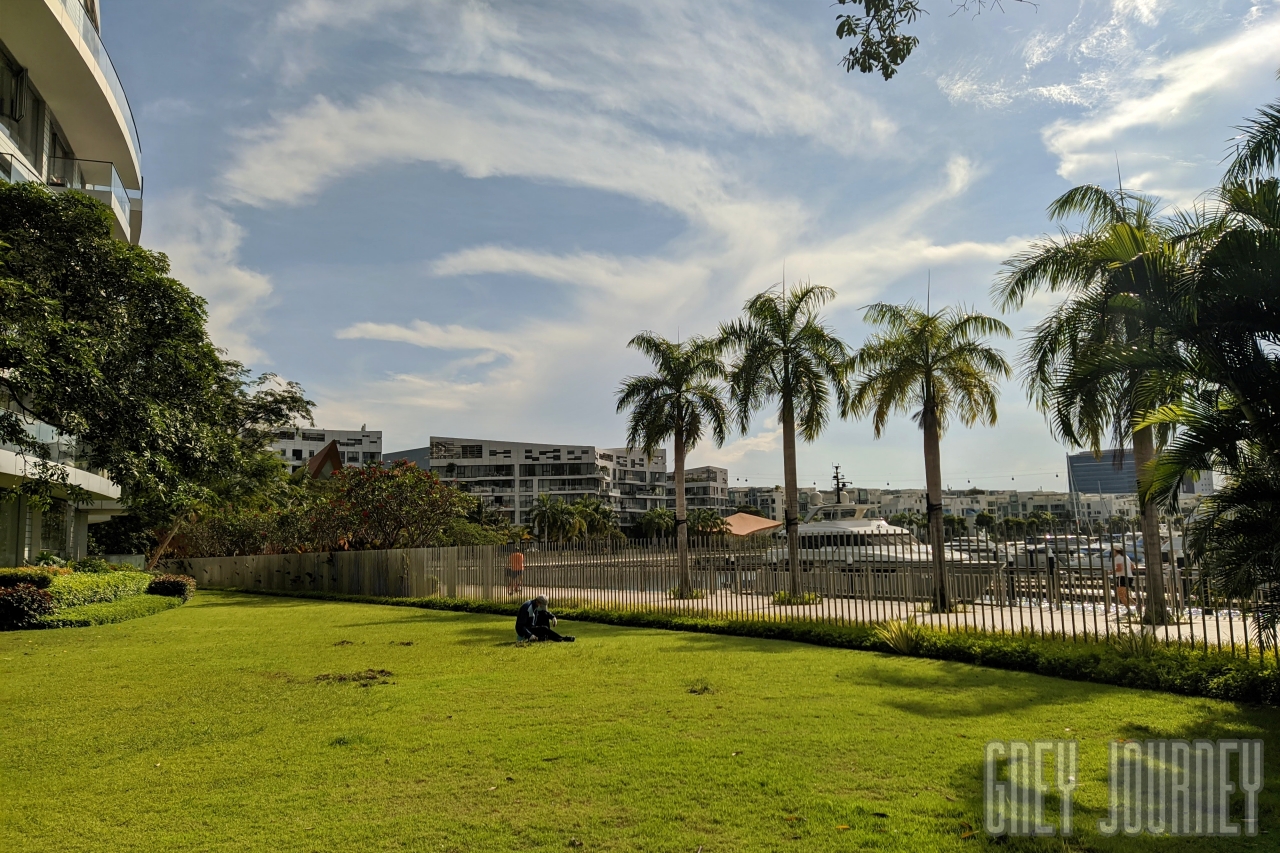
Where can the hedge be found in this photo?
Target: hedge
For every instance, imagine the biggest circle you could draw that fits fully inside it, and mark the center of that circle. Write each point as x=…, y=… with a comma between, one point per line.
x=35, y=576
x=1171, y=669
x=180, y=586
x=107, y=612
x=75, y=590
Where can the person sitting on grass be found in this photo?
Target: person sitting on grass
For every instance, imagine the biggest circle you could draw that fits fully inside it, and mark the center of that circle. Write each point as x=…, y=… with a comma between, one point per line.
x=534, y=623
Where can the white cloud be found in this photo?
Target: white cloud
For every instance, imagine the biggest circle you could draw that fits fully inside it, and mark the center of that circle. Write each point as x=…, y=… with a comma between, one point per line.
x=420, y=333
x=1165, y=93
x=203, y=242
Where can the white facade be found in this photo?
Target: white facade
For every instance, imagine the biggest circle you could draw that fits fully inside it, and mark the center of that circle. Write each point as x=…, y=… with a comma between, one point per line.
x=357, y=446
x=65, y=121
x=706, y=487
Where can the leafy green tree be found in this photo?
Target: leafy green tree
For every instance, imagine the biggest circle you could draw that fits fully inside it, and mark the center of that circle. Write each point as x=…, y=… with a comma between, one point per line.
x=681, y=400
x=936, y=366
x=1079, y=366
x=748, y=509
x=877, y=29
x=984, y=521
x=780, y=351
x=103, y=345
x=378, y=507
x=953, y=526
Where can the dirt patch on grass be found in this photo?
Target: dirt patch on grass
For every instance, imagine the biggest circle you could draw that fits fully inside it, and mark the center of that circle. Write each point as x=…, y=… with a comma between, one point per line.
x=367, y=678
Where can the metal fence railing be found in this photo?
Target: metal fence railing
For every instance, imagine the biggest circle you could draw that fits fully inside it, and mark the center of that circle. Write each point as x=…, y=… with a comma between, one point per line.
x=1062, y=585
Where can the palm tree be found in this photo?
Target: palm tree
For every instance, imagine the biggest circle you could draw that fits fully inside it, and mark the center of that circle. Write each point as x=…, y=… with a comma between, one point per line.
x=1258, y=146
x=656, y=522
x=705, y=521
x=681, y=400
x=1079, y=367
x=598, y=518
x=935, y=366
x=555, y=520
x=781, y=351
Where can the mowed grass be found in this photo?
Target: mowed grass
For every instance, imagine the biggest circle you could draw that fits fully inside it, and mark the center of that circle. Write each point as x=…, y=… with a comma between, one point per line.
x=210, y=728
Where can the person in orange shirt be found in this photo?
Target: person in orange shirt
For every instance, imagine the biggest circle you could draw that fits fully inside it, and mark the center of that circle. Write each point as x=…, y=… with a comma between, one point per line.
x=515, y=572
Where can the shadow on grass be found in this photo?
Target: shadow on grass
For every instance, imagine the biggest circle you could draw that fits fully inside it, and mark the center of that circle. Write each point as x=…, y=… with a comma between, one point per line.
x=976, y=692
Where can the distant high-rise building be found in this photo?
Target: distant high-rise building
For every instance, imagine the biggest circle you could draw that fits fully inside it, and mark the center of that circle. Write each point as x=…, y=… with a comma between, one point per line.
x=1102, y=475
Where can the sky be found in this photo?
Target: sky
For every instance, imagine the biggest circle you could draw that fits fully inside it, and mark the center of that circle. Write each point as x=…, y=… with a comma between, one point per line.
x=448, y=217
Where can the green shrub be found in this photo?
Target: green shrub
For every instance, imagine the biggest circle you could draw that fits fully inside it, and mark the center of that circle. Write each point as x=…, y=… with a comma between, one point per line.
x=99, y=566
x=108, y=612
x=22, y=606
x=37, y=577
x=782, y=596
x=48, y=558
x=177, y=586
x=78, y=589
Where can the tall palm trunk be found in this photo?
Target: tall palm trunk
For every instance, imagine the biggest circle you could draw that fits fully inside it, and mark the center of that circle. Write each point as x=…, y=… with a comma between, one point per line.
x=1157, y=609
x=791, y=495
x=682, y=526
x=933, y=501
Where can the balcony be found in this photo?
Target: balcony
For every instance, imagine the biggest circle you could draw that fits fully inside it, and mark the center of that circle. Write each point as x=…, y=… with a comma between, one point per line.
x=56, y=41
x=100, y=180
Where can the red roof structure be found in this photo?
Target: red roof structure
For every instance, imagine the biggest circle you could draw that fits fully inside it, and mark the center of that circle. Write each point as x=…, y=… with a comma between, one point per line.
x=323, y=464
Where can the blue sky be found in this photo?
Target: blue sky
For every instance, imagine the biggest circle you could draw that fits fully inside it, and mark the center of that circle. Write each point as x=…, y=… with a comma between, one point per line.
x=449, y=217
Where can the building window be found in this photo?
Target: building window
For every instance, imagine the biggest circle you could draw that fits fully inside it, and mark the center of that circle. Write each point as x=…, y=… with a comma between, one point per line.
x=371, y=456
x=312, y=436
x=297, y=453
x=353, y=457
x=472, y=451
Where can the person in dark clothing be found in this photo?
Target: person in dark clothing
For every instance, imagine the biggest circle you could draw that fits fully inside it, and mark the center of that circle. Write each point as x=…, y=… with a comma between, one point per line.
x=534, y=622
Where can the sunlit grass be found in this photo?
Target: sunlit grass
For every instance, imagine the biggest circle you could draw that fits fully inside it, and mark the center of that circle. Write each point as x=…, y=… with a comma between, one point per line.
x=245, y=723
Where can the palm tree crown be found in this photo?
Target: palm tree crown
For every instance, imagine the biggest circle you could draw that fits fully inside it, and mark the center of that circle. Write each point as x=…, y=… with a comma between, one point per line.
x=782, y=351
x=928, y=360
x=681, y=396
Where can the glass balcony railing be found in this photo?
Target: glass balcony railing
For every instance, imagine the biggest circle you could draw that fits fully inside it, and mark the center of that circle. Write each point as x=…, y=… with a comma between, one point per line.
x=95, y=177
x=13, y=170
x=62, y=448
x=84, y=26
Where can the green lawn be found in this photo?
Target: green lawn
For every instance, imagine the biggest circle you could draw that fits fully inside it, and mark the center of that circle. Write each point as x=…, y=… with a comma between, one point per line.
x=206, y=728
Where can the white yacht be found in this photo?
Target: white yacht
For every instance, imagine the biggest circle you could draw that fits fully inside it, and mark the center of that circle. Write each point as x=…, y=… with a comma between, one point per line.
x=847, y=536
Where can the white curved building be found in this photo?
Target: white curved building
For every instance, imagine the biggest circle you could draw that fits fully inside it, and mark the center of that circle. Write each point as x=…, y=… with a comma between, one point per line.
x=64, y=117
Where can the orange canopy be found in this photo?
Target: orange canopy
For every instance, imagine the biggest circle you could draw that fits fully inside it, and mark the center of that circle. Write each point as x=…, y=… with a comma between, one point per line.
x=745, y=524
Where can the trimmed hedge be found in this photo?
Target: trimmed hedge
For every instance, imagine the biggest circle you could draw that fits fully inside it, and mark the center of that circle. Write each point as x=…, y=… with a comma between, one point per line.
x=107, y=612
x=22, y=606
x=180, y=586
x=1171, y=669
x=40, y=578
x=76, y=590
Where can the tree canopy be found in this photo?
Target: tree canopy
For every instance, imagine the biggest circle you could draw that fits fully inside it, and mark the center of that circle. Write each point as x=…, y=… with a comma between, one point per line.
x=100, y=342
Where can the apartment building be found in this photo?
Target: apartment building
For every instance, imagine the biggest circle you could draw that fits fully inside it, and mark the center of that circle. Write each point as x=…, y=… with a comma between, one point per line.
x=706, y=487
x=508, y=476
x=64, y=119
x=771, y=500
x=357, y=446
x=65, y=123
